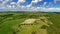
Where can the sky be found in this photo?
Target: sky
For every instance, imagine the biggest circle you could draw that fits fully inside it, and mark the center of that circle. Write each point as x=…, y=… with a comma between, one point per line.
x=30, y=5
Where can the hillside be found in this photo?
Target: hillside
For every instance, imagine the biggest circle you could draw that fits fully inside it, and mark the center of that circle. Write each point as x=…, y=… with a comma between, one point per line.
x=29, y=23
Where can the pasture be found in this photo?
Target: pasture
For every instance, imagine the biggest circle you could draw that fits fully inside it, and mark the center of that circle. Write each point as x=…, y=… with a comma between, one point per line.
x=29, y=23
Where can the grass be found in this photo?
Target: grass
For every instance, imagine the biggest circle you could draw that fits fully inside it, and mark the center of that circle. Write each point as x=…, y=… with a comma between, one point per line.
x=9, y=22
x=28, y=29
x=55, y=27
x=42, y=31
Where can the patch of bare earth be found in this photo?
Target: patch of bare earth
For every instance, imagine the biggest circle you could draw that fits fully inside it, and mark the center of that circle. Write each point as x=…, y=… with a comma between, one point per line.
x=45, y=19
x=28, y=21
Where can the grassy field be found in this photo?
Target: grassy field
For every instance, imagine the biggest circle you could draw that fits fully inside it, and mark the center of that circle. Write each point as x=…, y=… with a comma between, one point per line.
x=55, y=27
x=12, y=23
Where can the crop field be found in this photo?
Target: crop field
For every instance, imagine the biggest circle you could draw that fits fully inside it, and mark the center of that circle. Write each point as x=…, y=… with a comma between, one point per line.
x=29, y=23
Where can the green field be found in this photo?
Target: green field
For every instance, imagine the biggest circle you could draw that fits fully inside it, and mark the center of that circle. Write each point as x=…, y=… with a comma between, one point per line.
x=45, y=23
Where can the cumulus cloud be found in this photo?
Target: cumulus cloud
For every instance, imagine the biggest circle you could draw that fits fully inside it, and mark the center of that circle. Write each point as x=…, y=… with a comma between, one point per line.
x=29, y=5
x=35, y=1
x=52, y=9
x=13, y=4
x=3, y=4
x=16, y=6
x=21, y=1
x=5, y=0
x=0, y=0
x=23, y=8
x=44, y=4
x=50, y=4
x=56, y=1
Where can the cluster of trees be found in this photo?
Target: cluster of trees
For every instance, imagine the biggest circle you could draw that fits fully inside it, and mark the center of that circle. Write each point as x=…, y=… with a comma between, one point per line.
x=2, y=17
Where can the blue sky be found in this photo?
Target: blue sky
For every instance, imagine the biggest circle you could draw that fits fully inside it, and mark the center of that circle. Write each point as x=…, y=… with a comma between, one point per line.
x=19, y=5
x=57, y=4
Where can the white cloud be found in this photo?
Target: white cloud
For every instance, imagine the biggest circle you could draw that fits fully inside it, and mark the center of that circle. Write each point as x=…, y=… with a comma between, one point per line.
x=6, y=0
x=23, y=8
x=3, y=4
x=1, y=0
x=16, y=6
x=13, y=4
x=29, y=5
x=52, y=9
x=19, y=1
x=56, y=1
x=44, y=4
x=35, y=1
x=50, y=4
x=8, y=6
